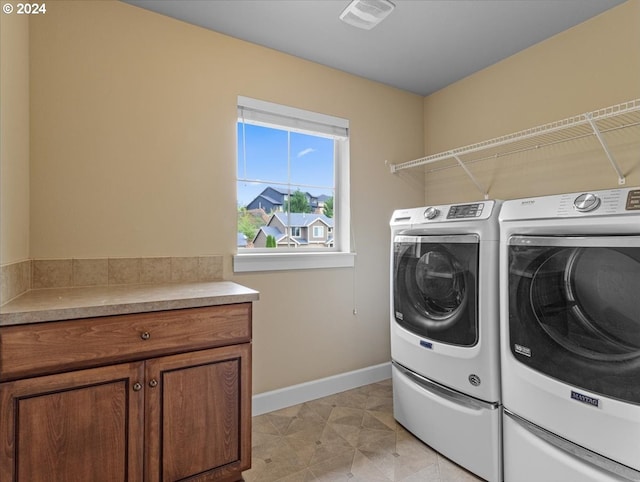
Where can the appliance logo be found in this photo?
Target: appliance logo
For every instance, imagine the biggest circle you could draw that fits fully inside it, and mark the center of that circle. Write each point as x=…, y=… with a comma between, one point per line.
x=426, y=344
x=528, y=203
x=522, y=350
x=581, y=397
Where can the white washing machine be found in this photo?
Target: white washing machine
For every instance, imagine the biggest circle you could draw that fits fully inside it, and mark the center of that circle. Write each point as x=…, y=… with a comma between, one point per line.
x=570, y=337
x=444, y=331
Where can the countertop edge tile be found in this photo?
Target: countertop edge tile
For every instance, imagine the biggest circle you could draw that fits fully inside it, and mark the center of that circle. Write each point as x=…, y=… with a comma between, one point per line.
x=56, y=304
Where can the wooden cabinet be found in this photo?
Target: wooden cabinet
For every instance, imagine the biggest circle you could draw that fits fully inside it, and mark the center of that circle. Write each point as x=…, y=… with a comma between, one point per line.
x=77, y=426
x=150, y=397
x=199, y=415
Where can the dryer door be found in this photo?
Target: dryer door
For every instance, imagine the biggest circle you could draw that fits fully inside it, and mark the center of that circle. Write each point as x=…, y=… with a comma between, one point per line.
x=435, y=286
x=574, y=310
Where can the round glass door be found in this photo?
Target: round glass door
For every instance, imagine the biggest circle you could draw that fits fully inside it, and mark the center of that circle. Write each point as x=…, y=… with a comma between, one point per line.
x=574, y=311
x=586, y=300
x=434, y=290
x=441, y=288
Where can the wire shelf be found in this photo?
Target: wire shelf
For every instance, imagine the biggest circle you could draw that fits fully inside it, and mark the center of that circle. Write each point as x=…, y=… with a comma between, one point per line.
x=596, y=123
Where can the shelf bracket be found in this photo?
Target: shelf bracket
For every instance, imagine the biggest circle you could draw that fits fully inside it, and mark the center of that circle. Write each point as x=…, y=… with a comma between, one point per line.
x=603, y=143
x=471, y=176
x=391, y=166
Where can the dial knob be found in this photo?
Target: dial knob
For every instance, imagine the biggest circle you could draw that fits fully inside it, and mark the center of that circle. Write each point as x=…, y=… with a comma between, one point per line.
x=586, y=202
x=431, y=212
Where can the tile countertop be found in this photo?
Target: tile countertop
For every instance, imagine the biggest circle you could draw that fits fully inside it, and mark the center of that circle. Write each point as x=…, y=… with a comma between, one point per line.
x=55, y=304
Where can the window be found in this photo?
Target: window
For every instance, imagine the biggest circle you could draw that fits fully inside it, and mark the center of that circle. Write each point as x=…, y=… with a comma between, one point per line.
x=292, y=188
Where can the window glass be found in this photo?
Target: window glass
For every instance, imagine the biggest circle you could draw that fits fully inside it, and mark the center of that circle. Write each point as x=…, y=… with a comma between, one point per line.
x=286, y=183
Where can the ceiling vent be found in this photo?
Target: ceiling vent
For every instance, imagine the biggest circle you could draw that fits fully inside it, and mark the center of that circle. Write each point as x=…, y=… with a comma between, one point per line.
x=366, y=14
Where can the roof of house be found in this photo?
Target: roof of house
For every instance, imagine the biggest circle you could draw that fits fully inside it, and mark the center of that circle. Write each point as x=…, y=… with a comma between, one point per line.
x=285, y=192
x=272, y=231
x=293, y=220
x=302, y=219
x=268, y=198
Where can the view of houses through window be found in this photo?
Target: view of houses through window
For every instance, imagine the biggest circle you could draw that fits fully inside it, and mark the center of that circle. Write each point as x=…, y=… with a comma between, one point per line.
x=285, y=188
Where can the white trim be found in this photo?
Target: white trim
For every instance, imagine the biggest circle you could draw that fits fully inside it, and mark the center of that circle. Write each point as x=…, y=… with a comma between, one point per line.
x=247, y=259
x=304, y=392
x=342, y=197
x=269, y=114
x=285, y=261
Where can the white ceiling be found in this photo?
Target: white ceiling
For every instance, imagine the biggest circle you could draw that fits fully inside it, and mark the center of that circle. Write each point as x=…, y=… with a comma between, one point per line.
x=423, y=46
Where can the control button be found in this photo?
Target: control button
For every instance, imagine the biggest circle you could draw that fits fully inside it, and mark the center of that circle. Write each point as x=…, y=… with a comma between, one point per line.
x=586, y=202
x=633, y=200
x=474, y=380
x=431, y=212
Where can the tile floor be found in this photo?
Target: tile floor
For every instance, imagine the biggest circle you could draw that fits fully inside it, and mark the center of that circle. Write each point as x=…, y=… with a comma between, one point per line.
x=350, y=436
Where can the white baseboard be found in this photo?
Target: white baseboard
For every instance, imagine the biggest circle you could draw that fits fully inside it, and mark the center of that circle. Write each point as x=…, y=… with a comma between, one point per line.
x=295, y=394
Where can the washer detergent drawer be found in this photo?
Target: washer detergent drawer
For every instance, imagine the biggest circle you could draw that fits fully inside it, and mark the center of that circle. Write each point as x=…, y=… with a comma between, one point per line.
x=532, y=454
x=462, y=428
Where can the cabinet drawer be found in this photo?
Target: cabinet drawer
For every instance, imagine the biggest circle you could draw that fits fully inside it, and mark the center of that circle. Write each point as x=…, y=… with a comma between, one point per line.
x=29, y=350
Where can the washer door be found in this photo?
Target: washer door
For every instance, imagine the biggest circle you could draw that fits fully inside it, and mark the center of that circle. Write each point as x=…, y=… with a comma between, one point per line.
x=575, y=311
x=435, y=285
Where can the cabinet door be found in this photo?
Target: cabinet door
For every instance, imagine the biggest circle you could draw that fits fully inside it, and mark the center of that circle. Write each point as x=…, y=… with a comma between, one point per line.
x=199, y=415
x=80, y=426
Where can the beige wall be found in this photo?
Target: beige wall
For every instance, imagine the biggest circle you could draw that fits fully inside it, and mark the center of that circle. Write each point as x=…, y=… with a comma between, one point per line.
x=593, y=65
x=133, y=154
x=14, y=138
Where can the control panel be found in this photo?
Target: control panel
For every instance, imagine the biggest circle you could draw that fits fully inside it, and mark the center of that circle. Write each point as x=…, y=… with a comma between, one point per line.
x=623, y=201
x=445, y=213
x=465, y=211
x=587, y=202
x=614, y=201
x=633, y=200
x=592, y=203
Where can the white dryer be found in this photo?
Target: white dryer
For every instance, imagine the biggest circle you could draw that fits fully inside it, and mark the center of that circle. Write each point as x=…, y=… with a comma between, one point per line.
x=444, y=331
x=570, y=337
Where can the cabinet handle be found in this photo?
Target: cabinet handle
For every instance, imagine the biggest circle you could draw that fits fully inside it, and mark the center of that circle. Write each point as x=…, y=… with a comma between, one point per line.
x=137, y=387
x=145, y=335
x=153, y=383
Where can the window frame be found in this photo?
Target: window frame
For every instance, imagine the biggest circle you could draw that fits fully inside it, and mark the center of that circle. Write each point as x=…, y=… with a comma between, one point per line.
x=314, y=123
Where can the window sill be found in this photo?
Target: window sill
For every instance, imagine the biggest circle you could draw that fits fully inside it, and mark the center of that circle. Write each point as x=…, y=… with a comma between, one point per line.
x=243, y=263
